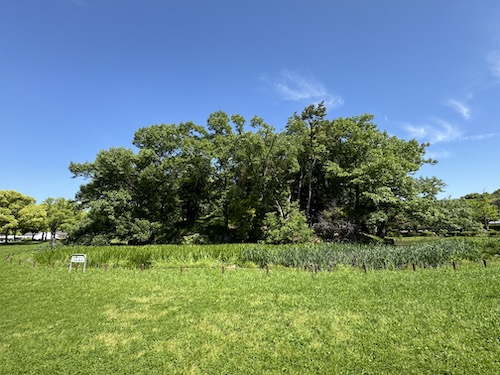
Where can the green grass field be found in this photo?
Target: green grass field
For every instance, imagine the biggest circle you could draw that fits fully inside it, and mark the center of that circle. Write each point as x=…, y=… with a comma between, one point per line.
x=245, y=321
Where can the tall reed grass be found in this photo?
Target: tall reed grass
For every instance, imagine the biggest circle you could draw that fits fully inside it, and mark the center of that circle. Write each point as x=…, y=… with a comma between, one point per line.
x=320, y=256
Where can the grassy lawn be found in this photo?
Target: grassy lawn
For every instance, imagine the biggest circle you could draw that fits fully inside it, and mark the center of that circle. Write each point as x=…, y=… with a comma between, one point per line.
x=200, y=321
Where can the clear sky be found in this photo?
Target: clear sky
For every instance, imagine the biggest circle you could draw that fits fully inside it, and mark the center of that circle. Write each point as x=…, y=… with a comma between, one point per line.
x=80, y=76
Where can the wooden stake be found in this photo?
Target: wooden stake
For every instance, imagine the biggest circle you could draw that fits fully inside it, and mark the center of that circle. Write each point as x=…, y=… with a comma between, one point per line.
x=105, y=266
x=142, y=267
x=484, y=263
x=454, y=265
x=267, y=269
x=414, y=267
x=181, y=269
x=222, y=269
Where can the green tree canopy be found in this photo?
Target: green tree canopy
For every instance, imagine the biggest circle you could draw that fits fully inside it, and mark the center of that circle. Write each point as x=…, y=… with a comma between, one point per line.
x=229, y=180
x=484, y=207
x=61, y=214
x=11, y=204
x=33, y=218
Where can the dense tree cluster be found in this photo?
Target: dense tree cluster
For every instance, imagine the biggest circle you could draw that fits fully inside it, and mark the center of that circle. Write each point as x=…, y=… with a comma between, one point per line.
x=20, y=214
x=233, y=181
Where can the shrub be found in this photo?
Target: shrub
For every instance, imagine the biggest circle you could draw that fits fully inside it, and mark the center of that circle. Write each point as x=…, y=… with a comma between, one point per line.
x=287, y=228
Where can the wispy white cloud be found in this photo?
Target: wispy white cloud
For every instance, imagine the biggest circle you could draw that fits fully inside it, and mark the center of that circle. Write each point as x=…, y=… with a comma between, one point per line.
x=416, y=131
x=479, y=137
x=441, y=131
x=297, y=87
x=436, y=131
x=460, y=107
x=444, y=131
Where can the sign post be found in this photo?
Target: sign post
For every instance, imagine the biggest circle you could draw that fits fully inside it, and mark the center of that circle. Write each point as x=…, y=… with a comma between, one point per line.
x=78, y=258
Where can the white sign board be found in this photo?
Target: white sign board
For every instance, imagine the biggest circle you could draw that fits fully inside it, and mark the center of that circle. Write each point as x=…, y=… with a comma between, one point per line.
x=78, y=258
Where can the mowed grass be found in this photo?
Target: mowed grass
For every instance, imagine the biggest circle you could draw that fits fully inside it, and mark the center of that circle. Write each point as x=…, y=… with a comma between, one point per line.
x=245, y=321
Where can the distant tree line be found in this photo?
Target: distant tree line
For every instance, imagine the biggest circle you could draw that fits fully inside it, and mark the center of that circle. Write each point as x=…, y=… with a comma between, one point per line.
x=19, y=214
x=236, y=181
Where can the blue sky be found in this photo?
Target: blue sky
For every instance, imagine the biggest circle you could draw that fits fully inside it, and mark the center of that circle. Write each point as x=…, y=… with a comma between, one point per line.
x=80, y=76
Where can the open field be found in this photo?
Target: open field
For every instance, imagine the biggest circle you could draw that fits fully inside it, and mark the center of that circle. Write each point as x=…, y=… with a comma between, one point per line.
x=203, y=321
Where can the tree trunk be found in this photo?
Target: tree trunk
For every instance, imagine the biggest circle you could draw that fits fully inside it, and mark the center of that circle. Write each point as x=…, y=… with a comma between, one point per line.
x=309, y=192
x=280, y=209
x=299, y=187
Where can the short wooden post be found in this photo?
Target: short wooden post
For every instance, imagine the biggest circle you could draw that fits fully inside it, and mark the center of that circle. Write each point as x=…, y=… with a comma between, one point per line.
x=454, y=265
x=34, y=264
x=53, y=264
x=267, y=269
x=142, y=267
x=105, y=266
x=181, y=268
x=222, y=269
x=414, y=267
x=484, y=263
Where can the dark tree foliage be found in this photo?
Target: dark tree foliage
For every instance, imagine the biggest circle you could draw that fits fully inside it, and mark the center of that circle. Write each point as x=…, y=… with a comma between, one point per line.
x=232, y=181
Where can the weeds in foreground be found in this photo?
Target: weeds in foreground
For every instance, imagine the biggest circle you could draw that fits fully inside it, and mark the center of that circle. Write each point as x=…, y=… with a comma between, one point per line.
x=323, y=255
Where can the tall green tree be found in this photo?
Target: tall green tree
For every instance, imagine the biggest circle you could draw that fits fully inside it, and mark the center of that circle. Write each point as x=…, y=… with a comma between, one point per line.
x=265, y=164
x=11, y=203
x=350, y=166
x=371, y=171
x=223, y=142
x=61, y=215
x=142, y=197
x=8, y=222
x=174, y=175
x=305, y=129
x=33, y=218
